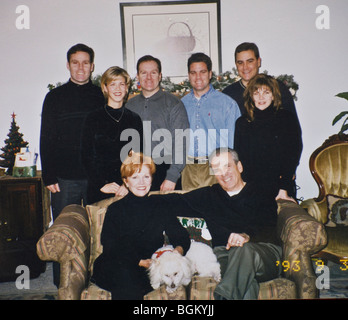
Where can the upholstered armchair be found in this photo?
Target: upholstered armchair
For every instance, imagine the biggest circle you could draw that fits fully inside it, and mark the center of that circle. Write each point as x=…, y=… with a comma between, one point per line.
x=74, y=241
x=329, y=167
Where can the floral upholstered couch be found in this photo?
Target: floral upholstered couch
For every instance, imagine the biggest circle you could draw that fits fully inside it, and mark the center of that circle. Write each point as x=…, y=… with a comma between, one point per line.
x=74, y=241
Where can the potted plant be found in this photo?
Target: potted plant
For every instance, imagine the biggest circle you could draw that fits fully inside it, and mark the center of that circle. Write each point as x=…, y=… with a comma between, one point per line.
x=343, y=114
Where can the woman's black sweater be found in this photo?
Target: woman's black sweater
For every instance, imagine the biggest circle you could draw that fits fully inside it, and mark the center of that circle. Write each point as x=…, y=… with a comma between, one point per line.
x=102, y=146
x=269, y=148
x=133, y=230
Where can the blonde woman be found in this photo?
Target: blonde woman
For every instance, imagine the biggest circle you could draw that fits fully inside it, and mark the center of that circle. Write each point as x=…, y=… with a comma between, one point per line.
x=101, y=137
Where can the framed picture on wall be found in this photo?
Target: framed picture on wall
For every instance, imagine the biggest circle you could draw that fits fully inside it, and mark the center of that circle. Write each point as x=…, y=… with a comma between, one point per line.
x=170, y=31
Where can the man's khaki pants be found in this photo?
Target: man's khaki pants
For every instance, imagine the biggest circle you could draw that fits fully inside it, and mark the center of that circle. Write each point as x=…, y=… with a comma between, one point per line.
x=197, y=175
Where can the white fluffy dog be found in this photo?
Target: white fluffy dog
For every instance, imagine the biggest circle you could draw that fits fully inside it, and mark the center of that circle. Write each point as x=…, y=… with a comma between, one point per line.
x=203, y=261
x=172, y=269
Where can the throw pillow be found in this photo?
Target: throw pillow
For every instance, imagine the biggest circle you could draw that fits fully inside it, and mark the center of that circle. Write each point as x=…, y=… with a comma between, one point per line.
x=337, y=211
x=197, y=229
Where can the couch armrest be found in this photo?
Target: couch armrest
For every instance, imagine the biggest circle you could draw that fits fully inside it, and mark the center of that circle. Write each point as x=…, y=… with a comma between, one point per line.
x=67, y=242
x=67, y=238
x=302, y=236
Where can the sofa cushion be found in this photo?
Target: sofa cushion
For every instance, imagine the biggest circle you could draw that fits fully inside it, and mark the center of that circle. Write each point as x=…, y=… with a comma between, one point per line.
x=337, y=211
x=279, y=288
x=93, y=292
x=162, y=294
x=202, y=288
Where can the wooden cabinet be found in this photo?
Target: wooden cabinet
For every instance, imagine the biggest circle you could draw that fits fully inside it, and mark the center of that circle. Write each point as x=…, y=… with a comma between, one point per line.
x=22, y=222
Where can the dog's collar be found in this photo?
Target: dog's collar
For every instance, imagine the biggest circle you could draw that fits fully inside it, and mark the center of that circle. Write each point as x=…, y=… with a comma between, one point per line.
x=160, y=252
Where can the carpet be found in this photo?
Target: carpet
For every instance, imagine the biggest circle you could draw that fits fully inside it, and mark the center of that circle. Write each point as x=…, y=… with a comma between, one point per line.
x=337, y=284
x=40, y=288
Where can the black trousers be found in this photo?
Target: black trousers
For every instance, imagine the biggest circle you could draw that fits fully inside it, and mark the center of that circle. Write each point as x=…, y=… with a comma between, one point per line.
x=125, y=281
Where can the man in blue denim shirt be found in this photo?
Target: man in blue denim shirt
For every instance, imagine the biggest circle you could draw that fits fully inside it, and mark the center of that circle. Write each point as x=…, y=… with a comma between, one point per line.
x=212, y=116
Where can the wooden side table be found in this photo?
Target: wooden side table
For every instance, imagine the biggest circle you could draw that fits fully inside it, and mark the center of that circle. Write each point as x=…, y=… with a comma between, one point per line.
x=23, y=218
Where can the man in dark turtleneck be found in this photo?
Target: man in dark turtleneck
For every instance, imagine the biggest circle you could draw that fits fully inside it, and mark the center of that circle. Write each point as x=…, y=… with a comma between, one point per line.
x=241, y=218
x=63, y=113
x=64, y=110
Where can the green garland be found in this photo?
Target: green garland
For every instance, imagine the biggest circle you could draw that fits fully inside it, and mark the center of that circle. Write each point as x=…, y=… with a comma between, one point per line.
x=219, y=82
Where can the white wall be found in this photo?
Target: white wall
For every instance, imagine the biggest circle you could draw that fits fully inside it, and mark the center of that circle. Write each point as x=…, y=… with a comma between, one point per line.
x=285, y=32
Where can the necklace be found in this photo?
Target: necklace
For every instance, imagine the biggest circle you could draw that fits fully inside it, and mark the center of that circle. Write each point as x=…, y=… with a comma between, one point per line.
x=116, y=120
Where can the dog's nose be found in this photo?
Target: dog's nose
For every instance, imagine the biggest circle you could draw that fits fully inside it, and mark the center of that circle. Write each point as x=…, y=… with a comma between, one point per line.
x=172, y=285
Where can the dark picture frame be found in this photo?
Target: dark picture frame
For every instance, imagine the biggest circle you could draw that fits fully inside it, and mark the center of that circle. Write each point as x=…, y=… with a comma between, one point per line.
x=170, y=31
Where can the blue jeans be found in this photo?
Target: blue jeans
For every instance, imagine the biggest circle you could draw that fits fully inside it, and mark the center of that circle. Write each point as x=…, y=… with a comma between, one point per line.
x=71, y=192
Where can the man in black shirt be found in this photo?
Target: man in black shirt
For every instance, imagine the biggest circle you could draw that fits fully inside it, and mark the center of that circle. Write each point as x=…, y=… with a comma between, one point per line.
x=63, y=113
x=64, y=110
x=241, y=218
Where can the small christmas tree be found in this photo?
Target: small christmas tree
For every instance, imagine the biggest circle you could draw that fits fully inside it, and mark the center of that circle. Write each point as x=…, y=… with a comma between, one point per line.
x=14, y=143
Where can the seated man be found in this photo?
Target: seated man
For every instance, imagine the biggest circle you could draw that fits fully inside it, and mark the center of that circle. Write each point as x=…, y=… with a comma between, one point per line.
x=241, y=218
